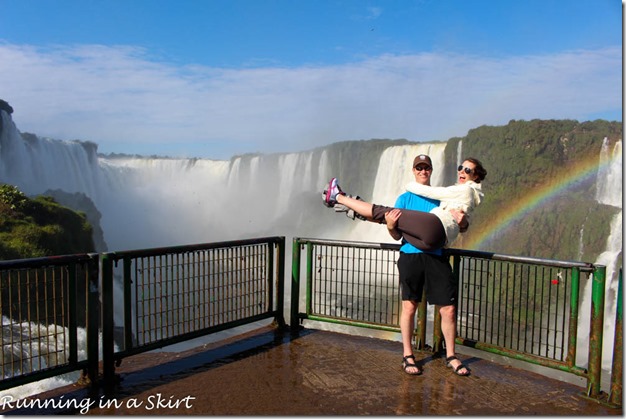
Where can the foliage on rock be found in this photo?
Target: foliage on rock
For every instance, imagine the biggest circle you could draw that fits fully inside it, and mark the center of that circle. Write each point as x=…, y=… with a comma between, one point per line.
x=40, y=227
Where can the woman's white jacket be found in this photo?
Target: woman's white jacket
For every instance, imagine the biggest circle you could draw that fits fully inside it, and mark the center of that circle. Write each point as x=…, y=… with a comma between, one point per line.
x=461, y=196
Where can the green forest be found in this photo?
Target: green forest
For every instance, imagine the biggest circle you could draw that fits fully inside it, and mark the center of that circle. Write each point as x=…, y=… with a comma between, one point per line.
x=526, y=156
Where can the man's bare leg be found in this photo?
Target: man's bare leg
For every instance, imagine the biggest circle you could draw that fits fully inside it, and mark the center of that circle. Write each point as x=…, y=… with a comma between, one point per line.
x=448, y=328
x=407, y=325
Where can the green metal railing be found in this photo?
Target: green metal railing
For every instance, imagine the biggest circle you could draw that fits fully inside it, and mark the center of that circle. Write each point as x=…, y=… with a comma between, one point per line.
x=349, y=283
x=523, y=308
x=46, y=303
x=175, y=294
x=150, y=298
x=617, y=368
x=528, y=309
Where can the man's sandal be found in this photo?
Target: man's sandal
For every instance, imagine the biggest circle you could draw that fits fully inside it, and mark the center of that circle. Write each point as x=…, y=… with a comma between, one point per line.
x=406, y=364
x=459, y=367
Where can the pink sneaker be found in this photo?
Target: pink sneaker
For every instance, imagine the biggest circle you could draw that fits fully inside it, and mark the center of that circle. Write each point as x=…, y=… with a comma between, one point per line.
x=330, y=194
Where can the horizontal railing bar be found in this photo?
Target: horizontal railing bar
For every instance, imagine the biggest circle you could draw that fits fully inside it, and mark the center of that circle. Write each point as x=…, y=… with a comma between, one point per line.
x=192, y=247
x=335, y=320
x=352, y=244
x=46, y=261
x=192, y=335
x=588, y=267
x=55, y=371
x=584, y=266
x=526, y=357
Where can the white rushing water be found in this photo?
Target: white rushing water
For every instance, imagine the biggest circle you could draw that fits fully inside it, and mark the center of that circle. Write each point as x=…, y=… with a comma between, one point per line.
x=608, y=192
x=45, y=346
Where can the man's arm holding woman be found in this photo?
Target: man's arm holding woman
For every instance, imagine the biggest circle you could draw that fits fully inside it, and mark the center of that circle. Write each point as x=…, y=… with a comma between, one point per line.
x=391, y=219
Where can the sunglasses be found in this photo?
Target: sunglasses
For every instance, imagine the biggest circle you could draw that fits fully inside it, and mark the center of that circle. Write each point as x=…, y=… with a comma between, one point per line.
x=465, y=169
x=420, y=168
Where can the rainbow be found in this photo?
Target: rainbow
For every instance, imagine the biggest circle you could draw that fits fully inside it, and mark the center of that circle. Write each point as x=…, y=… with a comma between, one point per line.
x=539, y=196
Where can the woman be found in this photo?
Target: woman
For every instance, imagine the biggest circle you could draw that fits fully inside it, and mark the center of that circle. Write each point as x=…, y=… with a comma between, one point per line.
x=424, y=230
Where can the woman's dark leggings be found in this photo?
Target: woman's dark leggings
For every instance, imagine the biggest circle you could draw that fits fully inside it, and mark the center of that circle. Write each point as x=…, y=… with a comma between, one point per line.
x=423, y=230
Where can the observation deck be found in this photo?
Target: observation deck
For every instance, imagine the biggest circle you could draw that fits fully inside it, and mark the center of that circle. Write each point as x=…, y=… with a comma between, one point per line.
x=270, y=372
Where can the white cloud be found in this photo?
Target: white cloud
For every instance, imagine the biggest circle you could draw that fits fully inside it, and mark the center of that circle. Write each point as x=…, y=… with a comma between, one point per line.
x=374, y=12
x=124, y=100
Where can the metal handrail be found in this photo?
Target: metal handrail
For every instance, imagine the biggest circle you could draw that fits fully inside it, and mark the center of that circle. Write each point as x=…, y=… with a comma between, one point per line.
x=46, y=280
x=200, y=272
x=269, y=277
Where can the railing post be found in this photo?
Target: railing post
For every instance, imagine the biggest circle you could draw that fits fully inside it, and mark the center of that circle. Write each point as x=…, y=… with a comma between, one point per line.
x=309, y=279
x=128, y=304
x=595, y=331
x=108, y=338
x=72, y=313
x=280, y=284
x=93, y=319
x=615, y=394
x=573, y=319
x=295, y=285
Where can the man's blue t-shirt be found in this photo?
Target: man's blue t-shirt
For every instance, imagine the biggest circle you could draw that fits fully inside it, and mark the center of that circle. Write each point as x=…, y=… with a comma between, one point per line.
x=418, y=203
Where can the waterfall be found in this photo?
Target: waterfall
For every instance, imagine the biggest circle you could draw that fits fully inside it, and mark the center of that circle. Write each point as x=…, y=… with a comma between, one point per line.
x=459, y=151
x=156, y=202
x=581, y=243
x=394, y=172
x=609, y=182
x=36, y=164
x=608, y=192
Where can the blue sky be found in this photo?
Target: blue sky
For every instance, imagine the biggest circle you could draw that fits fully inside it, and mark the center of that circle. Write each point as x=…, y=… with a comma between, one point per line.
x=215, y=78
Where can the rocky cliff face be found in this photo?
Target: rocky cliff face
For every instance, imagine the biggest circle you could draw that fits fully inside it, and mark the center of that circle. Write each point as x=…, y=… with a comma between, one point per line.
x=81, y=203
x=4, y=106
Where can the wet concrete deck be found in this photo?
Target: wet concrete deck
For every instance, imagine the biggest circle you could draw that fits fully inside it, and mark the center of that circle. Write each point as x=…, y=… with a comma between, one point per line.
x=324, y=373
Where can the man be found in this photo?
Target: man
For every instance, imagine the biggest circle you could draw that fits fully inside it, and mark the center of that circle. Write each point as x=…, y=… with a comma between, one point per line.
x=417, y=268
